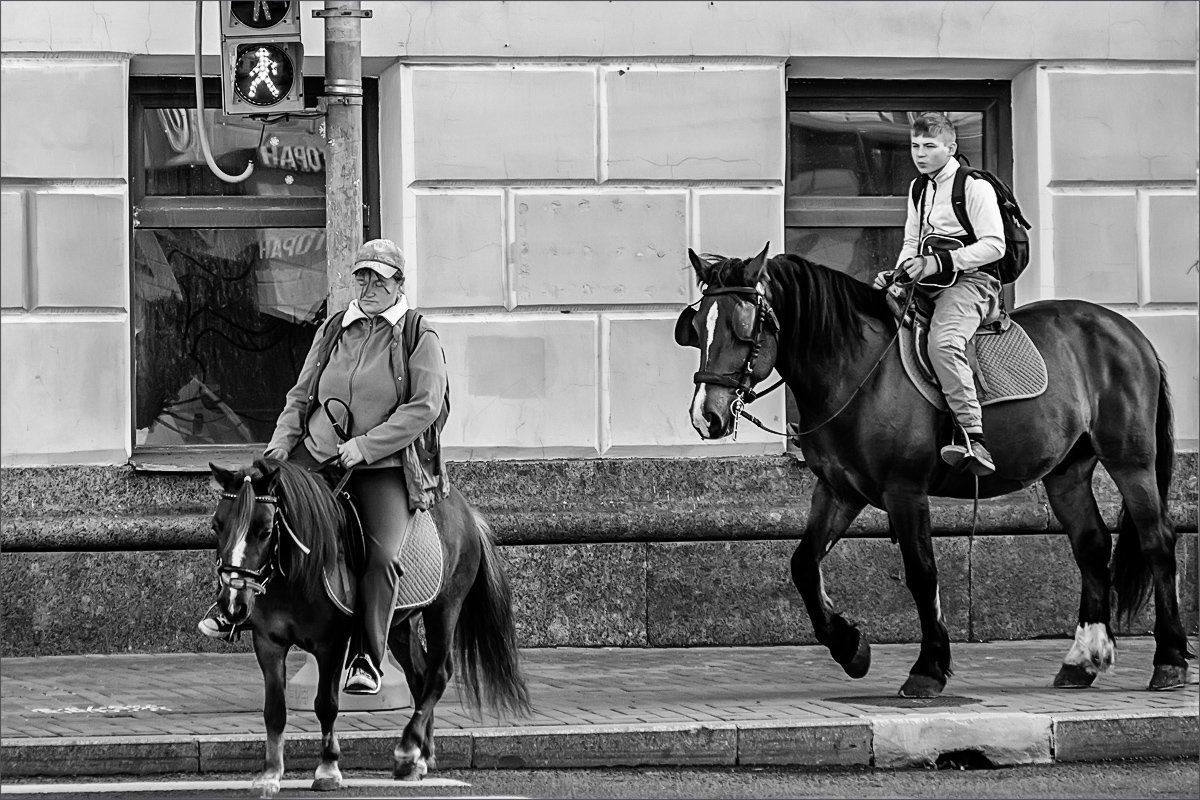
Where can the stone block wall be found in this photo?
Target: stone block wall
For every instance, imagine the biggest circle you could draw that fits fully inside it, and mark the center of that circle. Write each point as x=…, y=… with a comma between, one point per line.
x=64, y=262
x=1106, y=159
x=550, y=207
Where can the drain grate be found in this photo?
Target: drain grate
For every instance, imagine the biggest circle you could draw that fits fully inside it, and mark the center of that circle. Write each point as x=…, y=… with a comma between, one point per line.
x=895, y=701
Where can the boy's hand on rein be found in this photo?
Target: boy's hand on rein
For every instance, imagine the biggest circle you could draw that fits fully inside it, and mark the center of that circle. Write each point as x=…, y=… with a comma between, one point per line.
x=919, y=267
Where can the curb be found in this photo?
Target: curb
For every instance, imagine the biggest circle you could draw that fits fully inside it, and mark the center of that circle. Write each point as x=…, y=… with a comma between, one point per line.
x=886, y=741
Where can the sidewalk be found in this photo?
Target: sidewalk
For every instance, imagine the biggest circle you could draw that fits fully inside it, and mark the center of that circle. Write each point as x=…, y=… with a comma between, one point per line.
x=145, y=714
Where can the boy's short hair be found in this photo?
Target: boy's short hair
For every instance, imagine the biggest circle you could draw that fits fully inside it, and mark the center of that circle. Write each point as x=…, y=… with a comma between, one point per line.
x=935, y=125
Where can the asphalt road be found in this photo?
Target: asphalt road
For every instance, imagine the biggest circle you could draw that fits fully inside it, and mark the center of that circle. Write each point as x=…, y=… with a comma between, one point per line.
x=1163, y=780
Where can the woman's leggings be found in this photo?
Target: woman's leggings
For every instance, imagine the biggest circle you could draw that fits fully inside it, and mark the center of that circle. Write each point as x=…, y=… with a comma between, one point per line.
x=381, y=498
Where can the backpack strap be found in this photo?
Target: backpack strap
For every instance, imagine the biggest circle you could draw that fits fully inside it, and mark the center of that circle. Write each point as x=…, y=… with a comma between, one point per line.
x=958, y=200
x=412, y=330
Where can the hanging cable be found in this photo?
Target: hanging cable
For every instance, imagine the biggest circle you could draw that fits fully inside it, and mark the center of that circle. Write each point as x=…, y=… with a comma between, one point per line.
x=212, y=165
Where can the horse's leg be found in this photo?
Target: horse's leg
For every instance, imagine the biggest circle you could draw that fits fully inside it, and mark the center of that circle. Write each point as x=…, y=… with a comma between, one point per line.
x=272, y=660
x=1069, y=490
x=828, y=518
x=411, y=756
x=1147, y=520
x=908, y=512
x=328, y=776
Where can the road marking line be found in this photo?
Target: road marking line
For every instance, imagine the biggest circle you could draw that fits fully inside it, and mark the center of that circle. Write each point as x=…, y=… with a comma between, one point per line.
x=214, y=786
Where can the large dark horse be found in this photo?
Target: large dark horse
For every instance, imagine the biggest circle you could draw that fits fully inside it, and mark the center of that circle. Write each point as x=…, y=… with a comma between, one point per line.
x=1107, y=402
x=277, y=527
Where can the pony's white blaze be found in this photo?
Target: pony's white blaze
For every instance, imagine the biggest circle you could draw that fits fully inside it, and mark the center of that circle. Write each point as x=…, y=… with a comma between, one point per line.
x=237, y=556
x=1092, y=649
x=701, y=394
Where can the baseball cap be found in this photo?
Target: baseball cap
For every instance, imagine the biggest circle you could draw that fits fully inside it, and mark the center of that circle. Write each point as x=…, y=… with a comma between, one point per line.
x=382, y=256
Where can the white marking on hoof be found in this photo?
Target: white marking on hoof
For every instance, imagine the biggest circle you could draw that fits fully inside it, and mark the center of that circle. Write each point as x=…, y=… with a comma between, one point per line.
x=1092, y=649
x=269, y=786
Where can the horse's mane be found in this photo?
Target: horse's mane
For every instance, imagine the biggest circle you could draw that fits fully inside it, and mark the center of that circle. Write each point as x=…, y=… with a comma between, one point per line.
x=315, y=517
x=825, y=309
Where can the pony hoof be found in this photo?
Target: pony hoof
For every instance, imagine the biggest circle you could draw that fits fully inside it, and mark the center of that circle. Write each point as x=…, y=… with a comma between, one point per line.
x=921, y=686
x=858, y=664
x=1168, y=676
x=326, y=784
x=268, y=787
x=1073, y=676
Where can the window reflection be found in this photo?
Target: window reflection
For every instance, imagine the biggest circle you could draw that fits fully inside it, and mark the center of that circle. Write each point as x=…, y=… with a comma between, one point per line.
x=222, y=321
x=289, y=156
x=859, y=252
x=863, y=153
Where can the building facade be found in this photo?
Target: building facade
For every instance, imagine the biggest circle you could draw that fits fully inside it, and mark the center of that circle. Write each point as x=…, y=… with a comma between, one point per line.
x=545, y=166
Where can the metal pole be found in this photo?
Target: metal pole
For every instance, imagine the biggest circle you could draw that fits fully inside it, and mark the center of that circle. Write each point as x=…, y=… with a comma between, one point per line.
x=343, y=155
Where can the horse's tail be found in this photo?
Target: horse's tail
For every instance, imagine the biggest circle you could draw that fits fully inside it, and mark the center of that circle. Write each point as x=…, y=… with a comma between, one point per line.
x=487, y=638
x=1131, y=571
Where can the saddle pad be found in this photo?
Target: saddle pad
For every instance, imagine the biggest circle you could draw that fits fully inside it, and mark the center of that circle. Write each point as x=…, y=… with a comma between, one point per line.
x=1012, y=367
x=421, y=558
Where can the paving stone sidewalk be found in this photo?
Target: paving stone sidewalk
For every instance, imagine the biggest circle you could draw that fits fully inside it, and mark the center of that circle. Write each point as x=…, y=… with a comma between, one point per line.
x=104, y=714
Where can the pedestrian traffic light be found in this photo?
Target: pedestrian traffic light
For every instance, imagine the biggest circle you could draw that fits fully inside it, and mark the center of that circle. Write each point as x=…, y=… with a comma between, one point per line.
x=262, y=57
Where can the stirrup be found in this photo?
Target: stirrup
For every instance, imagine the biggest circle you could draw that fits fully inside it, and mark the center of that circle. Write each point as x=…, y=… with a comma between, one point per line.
x=363, y=677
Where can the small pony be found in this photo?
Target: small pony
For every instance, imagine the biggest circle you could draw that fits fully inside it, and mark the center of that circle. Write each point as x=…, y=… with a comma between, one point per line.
x=277, y=526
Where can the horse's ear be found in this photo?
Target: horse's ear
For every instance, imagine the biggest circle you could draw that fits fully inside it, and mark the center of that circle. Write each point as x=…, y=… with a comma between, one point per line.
x=703, y=269
x=754, y=267
x=225, y=478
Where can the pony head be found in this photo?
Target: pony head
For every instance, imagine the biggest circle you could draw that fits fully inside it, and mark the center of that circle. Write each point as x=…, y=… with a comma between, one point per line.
x=737, y=334
x=247, y=542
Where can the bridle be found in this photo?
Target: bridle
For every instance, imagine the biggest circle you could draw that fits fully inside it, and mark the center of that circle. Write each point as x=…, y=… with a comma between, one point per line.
x=255, y=580
x=740, y=382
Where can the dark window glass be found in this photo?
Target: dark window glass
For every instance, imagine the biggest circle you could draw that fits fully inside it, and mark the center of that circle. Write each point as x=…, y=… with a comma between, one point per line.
x=862, y=153
x=289, y=155
x=855, y=251
x=222, y=321
x=229, y=279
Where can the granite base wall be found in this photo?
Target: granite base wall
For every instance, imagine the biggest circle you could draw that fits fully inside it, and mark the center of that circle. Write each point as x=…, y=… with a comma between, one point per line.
x=598, y=595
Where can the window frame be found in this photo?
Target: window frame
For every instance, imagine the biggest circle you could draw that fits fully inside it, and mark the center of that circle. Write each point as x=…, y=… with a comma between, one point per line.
x=993, y=98
x=215, y=211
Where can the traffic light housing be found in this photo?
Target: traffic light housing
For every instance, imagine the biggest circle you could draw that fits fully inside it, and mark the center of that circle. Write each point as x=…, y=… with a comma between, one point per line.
x=262, y=57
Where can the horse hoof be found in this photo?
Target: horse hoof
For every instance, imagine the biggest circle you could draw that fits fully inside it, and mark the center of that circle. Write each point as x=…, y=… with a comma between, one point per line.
x=859, y=664
x=1168, y=676
x=1073, y=676
x=921, y=686
x=410, y=770
x=326, y=784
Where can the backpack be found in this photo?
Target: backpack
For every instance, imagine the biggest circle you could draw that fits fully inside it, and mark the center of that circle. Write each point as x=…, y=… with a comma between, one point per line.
x=1016, y=240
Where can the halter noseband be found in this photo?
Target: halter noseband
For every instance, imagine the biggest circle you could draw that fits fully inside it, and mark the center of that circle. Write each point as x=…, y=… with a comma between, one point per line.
x=741, y=383
x=238, y=577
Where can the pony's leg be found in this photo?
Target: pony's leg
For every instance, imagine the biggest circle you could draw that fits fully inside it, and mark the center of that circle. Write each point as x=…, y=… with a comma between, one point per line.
x=272, y=660
x=328, y=776
x=828, y=518
x=1146, y=519
x=1069, y=491
x=405, y=644
x=410, y=759
x=908, y=512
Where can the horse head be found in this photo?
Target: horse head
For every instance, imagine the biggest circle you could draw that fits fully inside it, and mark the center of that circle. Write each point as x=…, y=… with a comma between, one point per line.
x=245, y=524
x=737, y=333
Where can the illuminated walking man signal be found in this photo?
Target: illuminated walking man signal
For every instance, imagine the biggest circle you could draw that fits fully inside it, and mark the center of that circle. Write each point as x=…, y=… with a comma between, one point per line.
x=262, y=71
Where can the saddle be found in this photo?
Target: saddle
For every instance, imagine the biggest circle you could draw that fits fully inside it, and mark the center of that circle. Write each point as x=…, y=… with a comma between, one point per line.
x=1004, y=360
x=421, y=558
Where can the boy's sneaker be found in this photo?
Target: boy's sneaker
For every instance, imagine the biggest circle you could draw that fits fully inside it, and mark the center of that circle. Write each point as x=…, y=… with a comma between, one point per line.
x=973, y=455
x=363, y=679
x=215, y=626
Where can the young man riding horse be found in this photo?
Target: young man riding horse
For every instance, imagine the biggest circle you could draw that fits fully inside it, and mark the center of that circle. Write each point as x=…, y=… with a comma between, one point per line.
x=356, y=366
x=959, y=276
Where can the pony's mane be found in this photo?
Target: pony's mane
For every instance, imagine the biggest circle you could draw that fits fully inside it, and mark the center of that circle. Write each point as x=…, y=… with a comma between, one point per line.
x=824, y=309
x=315, y=517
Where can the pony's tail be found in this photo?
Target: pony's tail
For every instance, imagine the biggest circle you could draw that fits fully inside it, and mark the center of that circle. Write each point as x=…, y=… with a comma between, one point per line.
x=1131, y=571
x=487, y=637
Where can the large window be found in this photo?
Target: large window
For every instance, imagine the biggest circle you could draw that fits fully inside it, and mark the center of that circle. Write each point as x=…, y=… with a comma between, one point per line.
x=849, y=166
x=229, y=279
